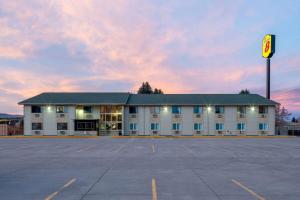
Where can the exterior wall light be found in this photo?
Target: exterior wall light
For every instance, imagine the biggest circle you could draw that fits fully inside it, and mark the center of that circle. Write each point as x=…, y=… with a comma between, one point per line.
x=208, y=108
x=165, y=108
x=49, y=108
x=252, y=108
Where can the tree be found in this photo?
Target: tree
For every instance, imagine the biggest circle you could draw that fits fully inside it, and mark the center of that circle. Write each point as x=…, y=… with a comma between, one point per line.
x=147, y=89
x=282, y=115
x=158, y=91
x=294, y=120
x=244, y=91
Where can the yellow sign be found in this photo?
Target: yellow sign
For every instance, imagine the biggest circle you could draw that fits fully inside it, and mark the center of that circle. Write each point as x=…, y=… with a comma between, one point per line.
x=268, y=46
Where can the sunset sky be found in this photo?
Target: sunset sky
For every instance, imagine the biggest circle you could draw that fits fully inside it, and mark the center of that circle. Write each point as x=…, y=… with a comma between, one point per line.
x=191, y=46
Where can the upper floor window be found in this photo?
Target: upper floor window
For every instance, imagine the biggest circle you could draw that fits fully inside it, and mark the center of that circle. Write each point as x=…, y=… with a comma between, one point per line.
x=61, y=109
x=132, y=126
x=219, y=126
x=176, y=109
x=263, y=126
x=36, y=126
x=262, y=109
x=155, y=110
x=198, y=109
x=154, y=126
x=241, y=109
x=133, y=109
x=241, y=126
x=176, y=126
x=219, y=109
x=87, y=109
x=36, y=109
x=197, y=126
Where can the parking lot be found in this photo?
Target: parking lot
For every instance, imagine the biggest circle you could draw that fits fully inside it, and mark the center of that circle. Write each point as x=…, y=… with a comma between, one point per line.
x=154, y=169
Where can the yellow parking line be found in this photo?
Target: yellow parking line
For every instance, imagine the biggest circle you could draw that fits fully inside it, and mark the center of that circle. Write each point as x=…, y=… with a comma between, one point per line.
x=153, y=149
x=154, y=193
x=248, y=190
x=51, y=196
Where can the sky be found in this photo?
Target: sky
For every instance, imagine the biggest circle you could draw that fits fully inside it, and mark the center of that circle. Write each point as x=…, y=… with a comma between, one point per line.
x=191, y=46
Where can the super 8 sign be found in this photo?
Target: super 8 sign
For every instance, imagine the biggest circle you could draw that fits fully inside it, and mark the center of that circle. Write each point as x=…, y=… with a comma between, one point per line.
x=268, y=46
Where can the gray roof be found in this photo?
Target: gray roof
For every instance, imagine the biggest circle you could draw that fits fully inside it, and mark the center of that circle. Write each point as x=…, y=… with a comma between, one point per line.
x=199, y=99
x=146, y=99
x=71, y=98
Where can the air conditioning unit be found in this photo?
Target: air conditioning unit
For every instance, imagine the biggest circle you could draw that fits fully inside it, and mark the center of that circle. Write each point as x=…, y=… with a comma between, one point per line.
x=242, y=115
x=220, y=132
x=37, y=115
x=154, y=116
x=133, y=116
x=263, y=132
x=62, y=132
x=154, y=132
x=198, y=132
x=177, y=116
x=263, y=116
x=89, y=116
x=242, y=132
x=220, y=115
x=176, y=132
x=62, y=115
x=133, y=132
x=37, y=132
x=198, y=116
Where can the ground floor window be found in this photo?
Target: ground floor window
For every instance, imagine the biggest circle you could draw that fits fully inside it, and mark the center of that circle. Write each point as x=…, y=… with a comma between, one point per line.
x=241, y=126
x=197, y=126
x=219, y=126
x=86, y=125
x=263, y=126
x=37, y=126
x=176, y=126
x=62, y=126
x=132, y=126
x=154, y=126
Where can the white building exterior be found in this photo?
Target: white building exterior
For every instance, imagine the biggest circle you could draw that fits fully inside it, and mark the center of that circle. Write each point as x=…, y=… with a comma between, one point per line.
x=148, y=114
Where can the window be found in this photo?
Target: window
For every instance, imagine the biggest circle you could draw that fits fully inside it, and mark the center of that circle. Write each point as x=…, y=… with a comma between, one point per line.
x=241, y=126
x=241, y=109
x=85, y=125
x=133, y=109
x=262, y=109
x=154, y=126
x=87, y=109
x=61, y=109
x=198, y=109
x=155, y=110
x=176, y=126
x=263, y=126
x=197, y=126
x=219, y=110
x=62, y=126
x=37, y=126
x=219, y=126
x=176, y=109
x=36, y=109
x=132, y=127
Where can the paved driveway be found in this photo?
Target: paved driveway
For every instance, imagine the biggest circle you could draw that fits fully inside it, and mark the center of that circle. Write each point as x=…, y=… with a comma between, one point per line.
x=154, y=169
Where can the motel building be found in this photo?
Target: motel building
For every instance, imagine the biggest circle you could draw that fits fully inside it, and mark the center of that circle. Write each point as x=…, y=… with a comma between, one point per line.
x=148, y=114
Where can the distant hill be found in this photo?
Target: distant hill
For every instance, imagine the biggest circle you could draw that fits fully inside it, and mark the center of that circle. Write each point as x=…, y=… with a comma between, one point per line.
x=9, y=116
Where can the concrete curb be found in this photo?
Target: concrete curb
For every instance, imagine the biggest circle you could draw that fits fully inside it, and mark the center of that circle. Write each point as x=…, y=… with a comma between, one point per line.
x=63, y=137
x=192, y=137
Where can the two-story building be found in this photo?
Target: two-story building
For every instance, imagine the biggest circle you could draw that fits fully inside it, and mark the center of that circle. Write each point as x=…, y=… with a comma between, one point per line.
x=148, y=114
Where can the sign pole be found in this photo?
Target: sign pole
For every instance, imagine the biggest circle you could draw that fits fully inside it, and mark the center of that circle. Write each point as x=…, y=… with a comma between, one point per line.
x=268, y=77
x=268, y=49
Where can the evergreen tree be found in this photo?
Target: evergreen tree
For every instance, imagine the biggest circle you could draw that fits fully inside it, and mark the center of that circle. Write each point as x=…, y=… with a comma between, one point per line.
x=147, y=89
x=244, y=91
